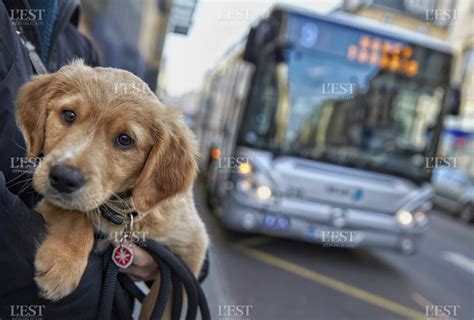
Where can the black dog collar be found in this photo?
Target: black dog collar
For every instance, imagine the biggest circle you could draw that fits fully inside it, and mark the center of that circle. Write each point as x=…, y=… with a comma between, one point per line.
x=111, y=214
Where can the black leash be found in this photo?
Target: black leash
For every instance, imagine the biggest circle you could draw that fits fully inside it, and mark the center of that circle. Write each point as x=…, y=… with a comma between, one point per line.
x=174, y=274
x=108, y=288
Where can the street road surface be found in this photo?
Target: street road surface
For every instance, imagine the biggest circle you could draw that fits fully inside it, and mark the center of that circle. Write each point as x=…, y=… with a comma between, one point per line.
x=256, y=277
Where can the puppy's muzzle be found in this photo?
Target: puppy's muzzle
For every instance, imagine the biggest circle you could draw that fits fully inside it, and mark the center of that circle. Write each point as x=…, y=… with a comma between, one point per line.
x=66, y=179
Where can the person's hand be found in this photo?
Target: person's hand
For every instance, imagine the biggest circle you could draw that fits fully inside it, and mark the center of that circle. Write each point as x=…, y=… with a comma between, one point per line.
x=143, y=267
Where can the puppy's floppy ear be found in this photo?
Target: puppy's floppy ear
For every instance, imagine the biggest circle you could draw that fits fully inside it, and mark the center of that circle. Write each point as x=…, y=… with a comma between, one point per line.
x=171, y=166
x=31, y=112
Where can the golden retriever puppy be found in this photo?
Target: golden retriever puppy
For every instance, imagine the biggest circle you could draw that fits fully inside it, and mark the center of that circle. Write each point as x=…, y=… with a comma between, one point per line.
x=100, y=136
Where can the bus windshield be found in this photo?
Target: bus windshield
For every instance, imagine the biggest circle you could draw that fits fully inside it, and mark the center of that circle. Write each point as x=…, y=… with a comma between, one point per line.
x=336, y=106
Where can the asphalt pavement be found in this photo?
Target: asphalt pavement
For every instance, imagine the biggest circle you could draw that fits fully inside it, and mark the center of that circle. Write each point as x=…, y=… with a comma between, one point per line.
x=256, y=277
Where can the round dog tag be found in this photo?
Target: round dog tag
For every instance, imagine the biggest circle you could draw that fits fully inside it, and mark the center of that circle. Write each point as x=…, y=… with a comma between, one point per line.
x=123, y=256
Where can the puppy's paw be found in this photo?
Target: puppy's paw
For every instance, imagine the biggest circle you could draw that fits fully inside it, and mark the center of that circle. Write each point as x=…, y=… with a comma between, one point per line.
x=58, y=272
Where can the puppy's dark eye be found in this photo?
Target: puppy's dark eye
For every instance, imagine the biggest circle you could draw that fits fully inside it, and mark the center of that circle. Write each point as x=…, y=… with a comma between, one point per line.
x=124, y=141
x=68, y=116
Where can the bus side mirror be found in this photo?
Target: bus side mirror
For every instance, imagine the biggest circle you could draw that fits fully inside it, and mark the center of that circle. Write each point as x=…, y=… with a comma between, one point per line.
x=281, y=50
x=256, y=40
x=454, y=101
x=249, y=51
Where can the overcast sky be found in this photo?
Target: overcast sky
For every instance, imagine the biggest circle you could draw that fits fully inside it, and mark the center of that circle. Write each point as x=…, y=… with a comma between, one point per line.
x=217, y=25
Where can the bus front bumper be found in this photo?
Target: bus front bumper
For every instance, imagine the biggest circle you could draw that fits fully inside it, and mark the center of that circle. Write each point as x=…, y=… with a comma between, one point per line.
x=318, y=223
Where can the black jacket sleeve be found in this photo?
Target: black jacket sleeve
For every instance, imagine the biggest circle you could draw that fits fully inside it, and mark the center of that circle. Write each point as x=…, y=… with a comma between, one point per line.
x=15, y=70
x=21, y=229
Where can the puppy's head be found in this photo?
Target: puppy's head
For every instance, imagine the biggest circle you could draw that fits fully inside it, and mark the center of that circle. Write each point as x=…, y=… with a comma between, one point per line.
x=102, y=131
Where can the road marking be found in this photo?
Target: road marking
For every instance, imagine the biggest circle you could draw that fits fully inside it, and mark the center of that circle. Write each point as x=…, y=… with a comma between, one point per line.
x=459, y=260
x=421, y=300
x=330, y=282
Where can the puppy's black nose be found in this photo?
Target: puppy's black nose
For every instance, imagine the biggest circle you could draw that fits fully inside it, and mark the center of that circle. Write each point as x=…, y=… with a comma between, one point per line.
x=66, y=179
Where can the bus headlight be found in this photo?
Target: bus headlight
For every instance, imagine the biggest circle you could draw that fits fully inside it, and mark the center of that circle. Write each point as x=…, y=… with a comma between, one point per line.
x=420, y=218
x=253, y=188
x=244, y=185
x=254, y=182
x=263, y=193
x=245, y=168
x=416, y=217
x=404, y=218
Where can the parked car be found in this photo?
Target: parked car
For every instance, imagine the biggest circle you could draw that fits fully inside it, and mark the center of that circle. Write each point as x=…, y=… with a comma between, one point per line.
x=454, y=192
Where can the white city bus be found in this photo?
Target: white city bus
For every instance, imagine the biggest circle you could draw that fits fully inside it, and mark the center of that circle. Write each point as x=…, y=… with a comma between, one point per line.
x=323, y=128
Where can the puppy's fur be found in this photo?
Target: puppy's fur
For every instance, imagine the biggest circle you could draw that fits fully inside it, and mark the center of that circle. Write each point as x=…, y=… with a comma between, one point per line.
x=160, y=167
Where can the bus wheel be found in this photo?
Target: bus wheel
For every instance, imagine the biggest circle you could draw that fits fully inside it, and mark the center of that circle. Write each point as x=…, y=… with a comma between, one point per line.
x=466, y=214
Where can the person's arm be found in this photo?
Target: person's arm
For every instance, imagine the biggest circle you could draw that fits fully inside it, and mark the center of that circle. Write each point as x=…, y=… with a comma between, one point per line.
x=20, y=231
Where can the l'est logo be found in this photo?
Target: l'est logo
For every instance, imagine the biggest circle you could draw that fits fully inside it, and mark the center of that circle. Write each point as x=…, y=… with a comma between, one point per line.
x=27, y=311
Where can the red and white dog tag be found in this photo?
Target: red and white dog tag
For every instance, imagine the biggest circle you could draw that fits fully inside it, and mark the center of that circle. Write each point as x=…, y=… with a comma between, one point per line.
x=123, y=255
